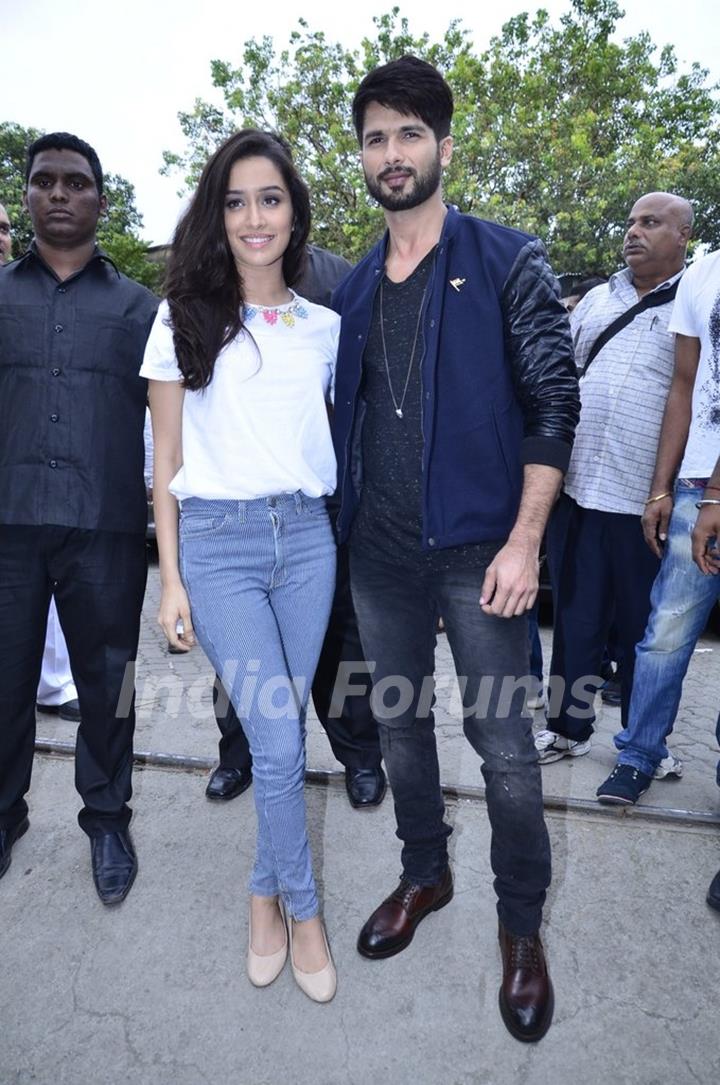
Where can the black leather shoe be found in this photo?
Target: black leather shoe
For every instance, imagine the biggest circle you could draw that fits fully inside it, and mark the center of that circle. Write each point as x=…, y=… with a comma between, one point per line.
x=114, y=865
x=526, y=993
x=227, y=784
x=391, y=927
x=7, y=839
x=68, y=711
x=365, y=787
x=713, y=897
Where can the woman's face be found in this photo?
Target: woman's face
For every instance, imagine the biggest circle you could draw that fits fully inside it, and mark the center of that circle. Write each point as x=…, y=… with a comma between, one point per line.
x=258, y=214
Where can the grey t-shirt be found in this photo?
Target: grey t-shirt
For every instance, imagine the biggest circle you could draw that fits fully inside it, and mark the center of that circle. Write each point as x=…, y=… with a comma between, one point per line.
x=389, y=520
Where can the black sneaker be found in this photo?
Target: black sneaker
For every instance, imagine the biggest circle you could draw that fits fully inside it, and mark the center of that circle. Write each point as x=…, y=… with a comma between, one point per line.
x=713, y=897
x=624, y=786
x=610, y=691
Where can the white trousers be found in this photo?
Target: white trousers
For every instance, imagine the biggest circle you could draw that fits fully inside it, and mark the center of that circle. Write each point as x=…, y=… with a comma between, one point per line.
x=56, y=680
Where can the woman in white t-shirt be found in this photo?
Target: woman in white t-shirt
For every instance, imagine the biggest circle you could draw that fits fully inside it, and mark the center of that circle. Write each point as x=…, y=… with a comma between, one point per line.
x=241, y=370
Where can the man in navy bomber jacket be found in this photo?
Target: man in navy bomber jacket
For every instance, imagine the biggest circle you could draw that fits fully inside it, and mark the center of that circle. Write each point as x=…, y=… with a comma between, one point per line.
x=455, y=407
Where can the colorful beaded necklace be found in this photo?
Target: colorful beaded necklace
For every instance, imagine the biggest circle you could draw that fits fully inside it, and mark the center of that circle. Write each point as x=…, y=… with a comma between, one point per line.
x=287, y=313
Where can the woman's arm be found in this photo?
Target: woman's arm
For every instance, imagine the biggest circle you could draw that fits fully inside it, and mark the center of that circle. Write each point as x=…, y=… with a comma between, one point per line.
x=166, y=401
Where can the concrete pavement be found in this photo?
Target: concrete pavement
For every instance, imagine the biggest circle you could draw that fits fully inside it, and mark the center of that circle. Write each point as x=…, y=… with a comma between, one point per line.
x=155, y=992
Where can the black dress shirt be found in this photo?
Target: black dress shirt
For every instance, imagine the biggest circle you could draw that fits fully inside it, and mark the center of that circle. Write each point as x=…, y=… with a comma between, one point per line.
x=72, y=404
x=323, y=272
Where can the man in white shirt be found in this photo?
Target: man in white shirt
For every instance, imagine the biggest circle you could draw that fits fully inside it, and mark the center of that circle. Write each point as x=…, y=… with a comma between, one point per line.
x=706, y=555
x=682, y=596
x=599, y=564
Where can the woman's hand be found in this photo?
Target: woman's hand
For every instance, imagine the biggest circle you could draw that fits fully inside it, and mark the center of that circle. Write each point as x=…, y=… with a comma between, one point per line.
x=175, y=608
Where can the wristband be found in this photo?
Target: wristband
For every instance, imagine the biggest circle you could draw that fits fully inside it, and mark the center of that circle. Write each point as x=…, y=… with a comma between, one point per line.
x=658, y=497
x=707, y=501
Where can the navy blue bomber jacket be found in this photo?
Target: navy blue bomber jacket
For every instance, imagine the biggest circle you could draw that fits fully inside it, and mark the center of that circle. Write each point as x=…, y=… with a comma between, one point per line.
x=499, y=386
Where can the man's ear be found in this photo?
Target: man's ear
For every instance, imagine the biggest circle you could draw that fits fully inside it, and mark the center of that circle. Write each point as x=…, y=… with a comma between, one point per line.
x=24, y=200
x=446, y=150
x=103, y=204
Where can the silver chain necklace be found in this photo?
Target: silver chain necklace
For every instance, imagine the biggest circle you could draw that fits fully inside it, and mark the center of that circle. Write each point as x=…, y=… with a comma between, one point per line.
x=399, y=406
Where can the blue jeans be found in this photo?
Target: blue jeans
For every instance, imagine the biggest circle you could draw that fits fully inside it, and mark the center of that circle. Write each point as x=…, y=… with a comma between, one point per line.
x=397, y=607
x=260, y=577
x=681, y=600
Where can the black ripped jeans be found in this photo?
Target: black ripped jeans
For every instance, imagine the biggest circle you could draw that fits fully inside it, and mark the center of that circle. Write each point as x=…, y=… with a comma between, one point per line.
x=397, y=606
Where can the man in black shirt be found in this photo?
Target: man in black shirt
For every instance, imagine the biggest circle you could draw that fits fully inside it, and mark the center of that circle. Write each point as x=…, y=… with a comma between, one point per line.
x=72, y=498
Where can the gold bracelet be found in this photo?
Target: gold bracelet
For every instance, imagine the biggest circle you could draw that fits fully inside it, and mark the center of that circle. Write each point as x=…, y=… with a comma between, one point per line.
x=658, y=497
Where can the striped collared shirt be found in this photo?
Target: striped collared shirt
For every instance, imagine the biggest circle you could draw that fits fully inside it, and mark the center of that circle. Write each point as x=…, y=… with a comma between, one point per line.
x=623, y=397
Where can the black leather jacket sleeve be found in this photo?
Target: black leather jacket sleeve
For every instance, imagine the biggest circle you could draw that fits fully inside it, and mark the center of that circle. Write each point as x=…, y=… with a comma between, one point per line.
x=540, y=349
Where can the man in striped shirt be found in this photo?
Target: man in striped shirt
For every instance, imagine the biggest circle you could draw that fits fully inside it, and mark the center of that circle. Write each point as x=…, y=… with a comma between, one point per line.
x=683, y=594
x=600, y=565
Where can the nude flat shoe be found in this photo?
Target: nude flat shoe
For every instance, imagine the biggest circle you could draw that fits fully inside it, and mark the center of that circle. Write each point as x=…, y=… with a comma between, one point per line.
x=263, y=969
x=319, y=986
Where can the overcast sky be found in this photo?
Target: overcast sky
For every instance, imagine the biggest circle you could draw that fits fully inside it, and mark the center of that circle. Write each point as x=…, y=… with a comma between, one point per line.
x=117, y=74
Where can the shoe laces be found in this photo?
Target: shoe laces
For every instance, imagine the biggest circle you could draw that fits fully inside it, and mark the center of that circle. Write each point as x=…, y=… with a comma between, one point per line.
x=524, y=954
x=406, y=892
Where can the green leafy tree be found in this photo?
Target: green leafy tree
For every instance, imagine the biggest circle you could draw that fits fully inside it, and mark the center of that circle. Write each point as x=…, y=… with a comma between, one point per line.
x=14, y=141
x=558, y=128
x=118, y=231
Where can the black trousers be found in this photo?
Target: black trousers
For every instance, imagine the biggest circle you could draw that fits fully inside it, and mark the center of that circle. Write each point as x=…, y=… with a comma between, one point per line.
x=347, y=720
x=600, y=568
x=98, y=580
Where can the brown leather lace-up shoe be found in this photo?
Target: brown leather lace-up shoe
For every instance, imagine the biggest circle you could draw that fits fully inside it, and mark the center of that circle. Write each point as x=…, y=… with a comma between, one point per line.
x=526, y=993
x=391, y=926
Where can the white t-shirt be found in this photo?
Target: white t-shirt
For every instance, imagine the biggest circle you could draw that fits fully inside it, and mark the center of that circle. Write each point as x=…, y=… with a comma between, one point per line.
x=261, y=426
x=148, y=441
x=696, y=313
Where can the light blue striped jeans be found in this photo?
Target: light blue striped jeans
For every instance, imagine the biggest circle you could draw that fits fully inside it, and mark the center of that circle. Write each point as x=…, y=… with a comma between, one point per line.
x=260, y=577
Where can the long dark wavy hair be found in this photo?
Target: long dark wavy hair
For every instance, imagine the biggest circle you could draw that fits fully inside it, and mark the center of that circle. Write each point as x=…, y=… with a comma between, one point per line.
x=203, y=286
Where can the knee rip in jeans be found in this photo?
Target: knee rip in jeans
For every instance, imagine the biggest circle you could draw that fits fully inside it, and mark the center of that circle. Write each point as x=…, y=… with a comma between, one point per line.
x=666, y=631
x=512, y=782
x=509, y=763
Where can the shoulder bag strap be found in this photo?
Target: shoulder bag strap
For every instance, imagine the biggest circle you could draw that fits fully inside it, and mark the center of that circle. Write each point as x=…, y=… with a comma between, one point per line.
x=650, y=301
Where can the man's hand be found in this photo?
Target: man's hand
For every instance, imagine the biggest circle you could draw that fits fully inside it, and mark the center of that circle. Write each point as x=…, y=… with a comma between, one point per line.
x=655, y=520
x=705, y=532
x=511, y=581
x=174, y=608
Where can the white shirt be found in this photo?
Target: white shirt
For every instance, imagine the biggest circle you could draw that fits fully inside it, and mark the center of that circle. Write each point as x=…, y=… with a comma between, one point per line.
x=697, y=314
x=623, y=397
x=148, y=442
x=261, y=426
